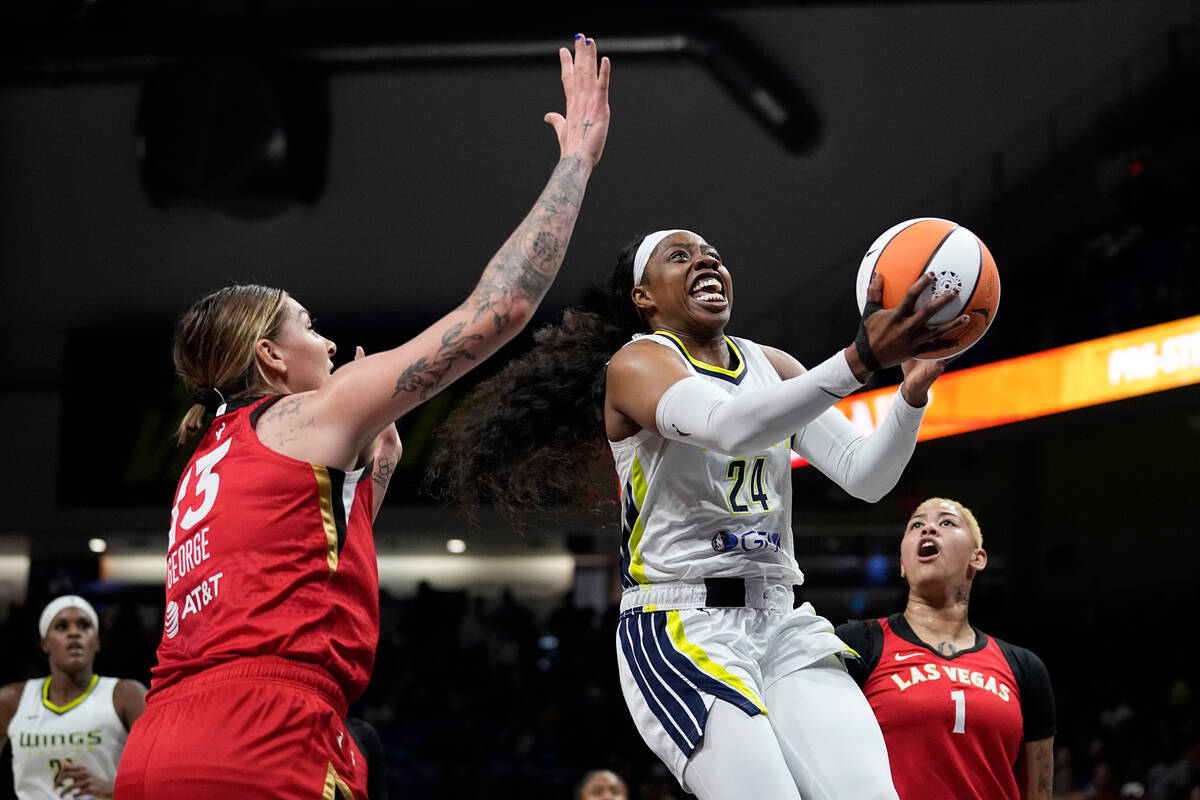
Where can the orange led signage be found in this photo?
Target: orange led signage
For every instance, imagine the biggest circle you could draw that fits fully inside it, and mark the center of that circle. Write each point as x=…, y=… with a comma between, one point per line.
x=1089, y=373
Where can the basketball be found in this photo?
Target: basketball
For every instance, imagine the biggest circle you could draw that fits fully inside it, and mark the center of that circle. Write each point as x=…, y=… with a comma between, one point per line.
x=958, y=259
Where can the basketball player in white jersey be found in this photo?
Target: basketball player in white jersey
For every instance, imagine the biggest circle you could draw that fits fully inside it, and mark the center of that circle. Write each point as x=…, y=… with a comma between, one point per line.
x=736, y=686
x=68, y=729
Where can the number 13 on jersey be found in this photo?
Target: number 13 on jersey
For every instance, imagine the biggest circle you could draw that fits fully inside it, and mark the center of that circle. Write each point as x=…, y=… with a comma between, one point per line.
x=205, y=491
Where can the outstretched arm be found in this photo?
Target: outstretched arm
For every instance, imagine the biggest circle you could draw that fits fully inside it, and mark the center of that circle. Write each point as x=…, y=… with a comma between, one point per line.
x=361, y=398
x=647, y=388
x=867, y=465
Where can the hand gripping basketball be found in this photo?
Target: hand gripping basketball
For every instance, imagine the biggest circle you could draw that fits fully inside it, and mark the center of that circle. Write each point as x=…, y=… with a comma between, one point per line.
x=888, y=336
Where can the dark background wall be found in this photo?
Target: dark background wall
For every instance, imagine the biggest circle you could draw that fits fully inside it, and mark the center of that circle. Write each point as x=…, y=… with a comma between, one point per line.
x=1018, y=119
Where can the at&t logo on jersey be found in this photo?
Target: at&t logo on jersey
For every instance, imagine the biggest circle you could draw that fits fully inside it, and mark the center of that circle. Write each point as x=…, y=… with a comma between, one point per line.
x=195, y=601
x=171, y=621
x=726, y=541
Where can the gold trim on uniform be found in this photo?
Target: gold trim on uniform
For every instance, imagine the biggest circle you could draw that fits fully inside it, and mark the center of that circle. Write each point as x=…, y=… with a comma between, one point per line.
x=335, y=787
x=325, y=496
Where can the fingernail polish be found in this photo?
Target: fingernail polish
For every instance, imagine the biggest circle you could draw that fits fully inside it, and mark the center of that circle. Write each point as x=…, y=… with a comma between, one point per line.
x=578, y=36
x=590, y=42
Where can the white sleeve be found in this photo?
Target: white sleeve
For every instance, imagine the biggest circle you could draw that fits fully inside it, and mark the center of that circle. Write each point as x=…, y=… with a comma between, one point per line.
x=696, y=412
x=865, y=465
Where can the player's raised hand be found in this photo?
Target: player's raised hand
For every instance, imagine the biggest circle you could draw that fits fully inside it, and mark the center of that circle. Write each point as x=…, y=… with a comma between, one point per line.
x=584, y=127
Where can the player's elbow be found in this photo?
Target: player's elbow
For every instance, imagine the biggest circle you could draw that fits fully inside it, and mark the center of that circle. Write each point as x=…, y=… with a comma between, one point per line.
x=517, y=316
x=869, y=496
x=870, y=489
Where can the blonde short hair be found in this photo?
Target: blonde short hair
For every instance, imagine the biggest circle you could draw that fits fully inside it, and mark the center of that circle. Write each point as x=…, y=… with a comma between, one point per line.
x=972, y=523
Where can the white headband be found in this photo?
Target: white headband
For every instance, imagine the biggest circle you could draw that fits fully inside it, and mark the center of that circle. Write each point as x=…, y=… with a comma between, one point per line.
x=647, y=247
x=66, y=601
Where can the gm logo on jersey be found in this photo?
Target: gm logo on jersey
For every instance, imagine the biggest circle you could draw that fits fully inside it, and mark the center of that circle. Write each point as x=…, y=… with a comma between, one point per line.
x=726, y=541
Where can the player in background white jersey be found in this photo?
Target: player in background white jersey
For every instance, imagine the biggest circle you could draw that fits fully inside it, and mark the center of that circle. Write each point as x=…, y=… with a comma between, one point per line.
x=68, y=729
x=699, y=424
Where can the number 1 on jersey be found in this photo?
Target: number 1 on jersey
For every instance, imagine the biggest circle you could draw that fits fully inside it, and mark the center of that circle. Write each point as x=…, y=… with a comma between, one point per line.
x=960, y=710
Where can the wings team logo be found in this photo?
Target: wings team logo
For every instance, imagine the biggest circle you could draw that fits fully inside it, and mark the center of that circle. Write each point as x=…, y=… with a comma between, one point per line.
x=724, y=540
x=171, y=621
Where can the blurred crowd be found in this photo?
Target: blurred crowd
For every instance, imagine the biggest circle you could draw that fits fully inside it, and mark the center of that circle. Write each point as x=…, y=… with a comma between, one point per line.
x=488, y=698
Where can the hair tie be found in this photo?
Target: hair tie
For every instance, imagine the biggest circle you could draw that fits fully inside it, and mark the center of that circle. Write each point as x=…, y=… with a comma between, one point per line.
x=210, y=397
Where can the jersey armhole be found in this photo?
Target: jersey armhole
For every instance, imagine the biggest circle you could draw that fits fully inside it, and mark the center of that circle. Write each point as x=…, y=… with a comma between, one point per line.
x=865, y=636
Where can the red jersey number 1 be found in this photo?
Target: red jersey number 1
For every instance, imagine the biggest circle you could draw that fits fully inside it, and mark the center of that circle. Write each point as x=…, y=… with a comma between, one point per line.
x=960, y=710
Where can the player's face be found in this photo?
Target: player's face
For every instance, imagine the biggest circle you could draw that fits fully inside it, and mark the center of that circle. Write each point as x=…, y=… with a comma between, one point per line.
x=604, y=786
x=306, y=352
x=686, y=284
x=938, y=545
x=72, y=640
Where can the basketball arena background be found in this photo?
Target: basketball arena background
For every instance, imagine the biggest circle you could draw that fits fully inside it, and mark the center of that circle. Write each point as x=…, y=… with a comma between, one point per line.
x=378, y=157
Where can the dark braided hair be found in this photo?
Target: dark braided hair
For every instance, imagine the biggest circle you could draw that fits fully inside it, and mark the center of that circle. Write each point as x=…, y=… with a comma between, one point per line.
x=532, y=437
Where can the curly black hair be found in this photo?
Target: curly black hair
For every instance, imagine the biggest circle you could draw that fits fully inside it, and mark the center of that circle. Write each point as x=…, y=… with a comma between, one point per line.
x=532, y=438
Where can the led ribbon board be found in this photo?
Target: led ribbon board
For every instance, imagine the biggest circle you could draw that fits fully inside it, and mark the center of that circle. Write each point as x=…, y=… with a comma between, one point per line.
x=1115, y=367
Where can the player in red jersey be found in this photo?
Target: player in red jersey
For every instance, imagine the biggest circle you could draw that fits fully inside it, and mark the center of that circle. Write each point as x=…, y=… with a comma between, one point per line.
x=272, y=597
x=969, y=717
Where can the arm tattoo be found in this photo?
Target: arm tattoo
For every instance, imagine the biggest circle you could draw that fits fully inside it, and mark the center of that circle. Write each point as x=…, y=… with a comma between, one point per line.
x=528, y=261
x=382, y=473
x=521, y=271
x=426, y=376
x=1044, y=768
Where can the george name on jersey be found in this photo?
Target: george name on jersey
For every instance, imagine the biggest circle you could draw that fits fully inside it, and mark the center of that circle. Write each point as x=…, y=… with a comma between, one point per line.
x=191, y=553
x=935, y=672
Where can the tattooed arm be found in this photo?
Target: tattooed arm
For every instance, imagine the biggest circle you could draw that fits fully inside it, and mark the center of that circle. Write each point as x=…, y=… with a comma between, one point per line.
x=1035, y=769
x=387, y=452
x=363, y=397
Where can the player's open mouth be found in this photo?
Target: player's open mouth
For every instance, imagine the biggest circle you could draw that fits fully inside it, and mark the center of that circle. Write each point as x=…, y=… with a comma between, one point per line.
x=709, y=291
x=927, y=550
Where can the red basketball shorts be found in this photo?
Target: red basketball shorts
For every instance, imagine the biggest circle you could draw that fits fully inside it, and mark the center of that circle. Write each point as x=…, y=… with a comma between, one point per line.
x=257, y=727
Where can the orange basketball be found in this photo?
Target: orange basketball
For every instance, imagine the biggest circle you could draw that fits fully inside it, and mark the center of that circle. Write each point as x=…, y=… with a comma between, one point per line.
x=958, y=259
